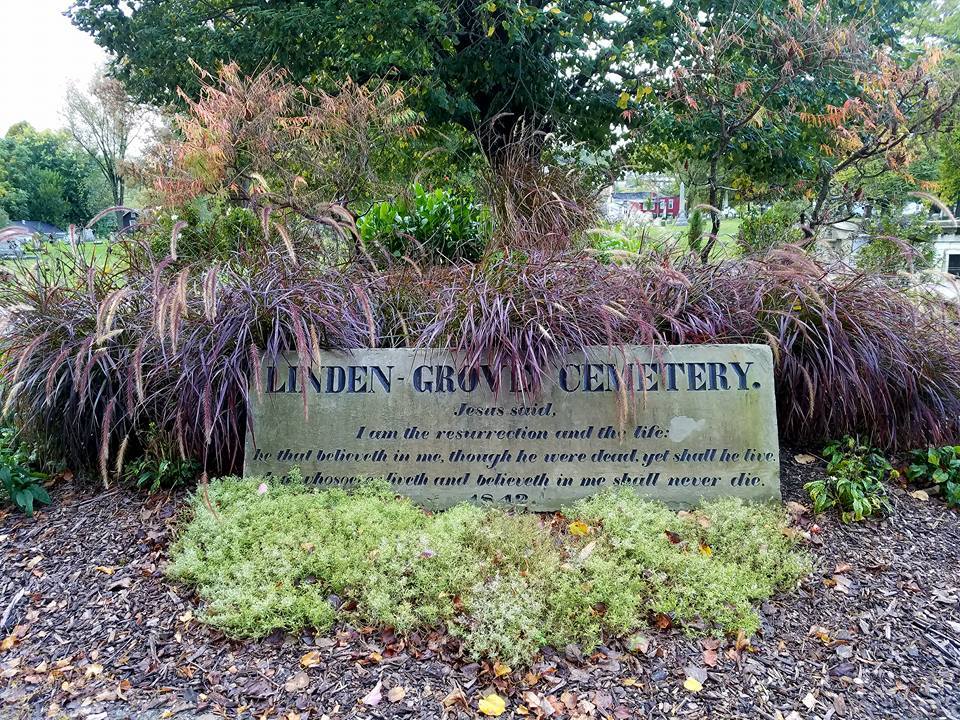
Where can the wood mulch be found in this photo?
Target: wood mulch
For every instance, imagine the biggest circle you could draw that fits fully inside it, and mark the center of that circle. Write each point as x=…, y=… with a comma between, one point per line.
x=93, y=630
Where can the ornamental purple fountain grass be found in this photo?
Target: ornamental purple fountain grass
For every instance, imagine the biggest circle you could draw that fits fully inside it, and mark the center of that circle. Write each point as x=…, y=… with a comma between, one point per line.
x=93, y=355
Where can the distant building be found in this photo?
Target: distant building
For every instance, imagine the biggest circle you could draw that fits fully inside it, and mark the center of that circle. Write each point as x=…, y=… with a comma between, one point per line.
x=663, y=206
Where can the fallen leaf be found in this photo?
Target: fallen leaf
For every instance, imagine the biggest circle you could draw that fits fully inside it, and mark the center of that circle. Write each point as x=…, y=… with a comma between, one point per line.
x=821, y=633
x=842, y=568
x=455, y=697
x=693, y=685
x=587, y=551
x=500, y=669
x=804, y=459
x=105, y=569
x=374, y=696
x=663, y=621
x=920, y=495
x=809, y=701
x=297, y=682
x=94, y=670
x=310, y=659
x=706, y=550
x=638, y=643
x=492, y=704
x=396, y=694
x=578, y=528
x=710, y=658
x=673, y=537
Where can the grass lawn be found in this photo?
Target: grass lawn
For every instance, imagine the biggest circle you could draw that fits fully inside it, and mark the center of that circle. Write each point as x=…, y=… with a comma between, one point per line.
x=98, y=253
x=634, y=238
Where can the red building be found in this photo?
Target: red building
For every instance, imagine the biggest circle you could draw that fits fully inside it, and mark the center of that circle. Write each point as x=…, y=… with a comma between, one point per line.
x=663, y=205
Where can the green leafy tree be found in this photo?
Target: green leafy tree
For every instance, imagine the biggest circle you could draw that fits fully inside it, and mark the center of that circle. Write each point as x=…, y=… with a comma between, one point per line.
x=44, y=177
x=950, y=168
x=569, y=66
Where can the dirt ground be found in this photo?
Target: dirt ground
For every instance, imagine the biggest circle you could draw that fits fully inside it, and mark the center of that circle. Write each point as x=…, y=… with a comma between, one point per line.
x=93, y=630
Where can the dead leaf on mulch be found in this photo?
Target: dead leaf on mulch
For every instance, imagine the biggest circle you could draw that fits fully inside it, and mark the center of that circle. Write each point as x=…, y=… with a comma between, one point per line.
x=297, y=682
x=310, y=659
x=373, y=697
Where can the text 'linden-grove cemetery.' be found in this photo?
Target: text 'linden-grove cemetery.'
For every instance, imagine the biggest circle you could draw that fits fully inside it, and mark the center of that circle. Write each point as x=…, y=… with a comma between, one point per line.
x=679, y=424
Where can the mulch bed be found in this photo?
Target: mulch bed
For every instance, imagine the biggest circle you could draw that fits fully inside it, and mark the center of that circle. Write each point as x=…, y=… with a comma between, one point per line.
x=94, y=631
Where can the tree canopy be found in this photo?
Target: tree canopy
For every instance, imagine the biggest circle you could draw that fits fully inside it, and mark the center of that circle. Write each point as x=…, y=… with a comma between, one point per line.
x=44, y=177
x=576, y=67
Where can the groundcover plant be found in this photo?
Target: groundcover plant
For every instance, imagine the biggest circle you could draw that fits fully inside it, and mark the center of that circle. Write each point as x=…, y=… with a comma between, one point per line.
x=265, y=555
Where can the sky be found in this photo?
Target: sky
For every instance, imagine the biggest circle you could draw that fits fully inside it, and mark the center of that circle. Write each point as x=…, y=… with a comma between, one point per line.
x=42, y=53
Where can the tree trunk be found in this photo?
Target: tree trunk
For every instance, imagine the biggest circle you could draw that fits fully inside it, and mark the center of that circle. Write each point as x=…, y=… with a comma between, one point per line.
x=713, y=201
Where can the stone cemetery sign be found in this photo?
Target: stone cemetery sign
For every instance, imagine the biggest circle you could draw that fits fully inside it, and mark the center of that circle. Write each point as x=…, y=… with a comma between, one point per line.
x=677, y=424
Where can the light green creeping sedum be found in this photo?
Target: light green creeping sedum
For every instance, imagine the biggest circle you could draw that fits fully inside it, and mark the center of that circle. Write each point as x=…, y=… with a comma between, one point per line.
x=272, y=555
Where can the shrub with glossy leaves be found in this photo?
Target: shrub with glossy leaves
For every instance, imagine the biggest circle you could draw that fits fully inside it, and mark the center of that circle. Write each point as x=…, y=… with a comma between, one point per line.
x=434, y=226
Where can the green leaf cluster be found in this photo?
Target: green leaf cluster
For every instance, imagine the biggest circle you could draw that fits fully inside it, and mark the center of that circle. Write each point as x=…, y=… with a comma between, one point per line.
x=20, y=483
x=436, y=225
x=265, y=554
x=938, y=465
x=854, y=481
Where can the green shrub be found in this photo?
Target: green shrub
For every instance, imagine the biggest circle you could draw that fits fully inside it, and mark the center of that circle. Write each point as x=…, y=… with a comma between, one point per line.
x=695, y=231
x=853, y=483
x=279, y=555
x=214, y=230
x=761, y=231
x=939, y=465
x=898, y=243
x=159, y=466
x=19, y=482
x=434, y=225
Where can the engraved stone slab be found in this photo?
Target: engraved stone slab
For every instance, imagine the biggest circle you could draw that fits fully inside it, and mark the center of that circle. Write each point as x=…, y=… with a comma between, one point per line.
x=678, y=424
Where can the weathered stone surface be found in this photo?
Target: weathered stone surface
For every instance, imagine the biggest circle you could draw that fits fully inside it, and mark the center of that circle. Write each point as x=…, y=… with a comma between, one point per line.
x=677, y=424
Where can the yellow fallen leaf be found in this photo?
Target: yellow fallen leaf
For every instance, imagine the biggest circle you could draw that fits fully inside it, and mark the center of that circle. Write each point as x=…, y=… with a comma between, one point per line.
x=106, y=570
x=492, y=705
x=920, y=495
x=185, y=617
x=578, y=528
x=500, y=669
x=706, y=550
x=8, y=642
x=310, y=659
x=693, y=685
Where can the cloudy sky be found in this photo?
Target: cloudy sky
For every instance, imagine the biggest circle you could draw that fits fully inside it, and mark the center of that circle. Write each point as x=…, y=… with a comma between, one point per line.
x=42, y=54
